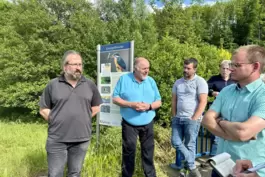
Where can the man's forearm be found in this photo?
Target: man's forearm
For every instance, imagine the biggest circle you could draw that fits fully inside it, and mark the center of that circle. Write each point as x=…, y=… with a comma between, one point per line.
x=211, y=125
x=235, y=130
x=95, y=110
x=121, y=102
x=45, y=113
x=155, y=105
x=200, y=109
x=173, y=109
x=214, y=128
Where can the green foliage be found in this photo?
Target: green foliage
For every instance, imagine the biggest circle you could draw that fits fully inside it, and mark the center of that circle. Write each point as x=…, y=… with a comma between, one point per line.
x=167, y=66
x=35, y=37
x=35, y=33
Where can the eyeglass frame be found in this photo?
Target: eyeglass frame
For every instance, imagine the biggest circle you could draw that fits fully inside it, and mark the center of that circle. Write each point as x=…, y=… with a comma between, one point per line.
x=75, y=64
x=238, y=65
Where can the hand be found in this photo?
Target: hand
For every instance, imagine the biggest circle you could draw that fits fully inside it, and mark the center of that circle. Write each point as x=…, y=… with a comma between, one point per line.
x=193, y=118
x=142, y=107
x=215, y=94
x=242, y=165
x=218, y=120
x=134, y=105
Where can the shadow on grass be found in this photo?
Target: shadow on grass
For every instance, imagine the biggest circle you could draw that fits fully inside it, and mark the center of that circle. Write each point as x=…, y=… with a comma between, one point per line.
x=36, y=163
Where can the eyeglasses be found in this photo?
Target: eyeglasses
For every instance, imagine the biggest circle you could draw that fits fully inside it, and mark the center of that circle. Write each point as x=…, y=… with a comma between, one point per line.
x=75, y=64
x=238, y=65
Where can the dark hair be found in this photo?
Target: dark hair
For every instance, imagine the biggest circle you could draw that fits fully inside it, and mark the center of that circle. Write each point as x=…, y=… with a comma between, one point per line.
x=191, y=60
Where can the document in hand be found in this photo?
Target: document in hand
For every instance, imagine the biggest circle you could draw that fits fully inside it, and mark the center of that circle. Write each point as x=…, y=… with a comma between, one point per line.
x=223, y=164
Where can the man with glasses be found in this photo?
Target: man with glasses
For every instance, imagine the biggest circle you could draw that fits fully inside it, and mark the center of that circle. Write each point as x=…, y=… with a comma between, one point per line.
x=68, y=103
x=216, y=84
x=238, y=112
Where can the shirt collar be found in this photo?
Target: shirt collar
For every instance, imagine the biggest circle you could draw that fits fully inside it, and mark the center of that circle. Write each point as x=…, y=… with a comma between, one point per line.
x=251, y=86
x=62, y=78
x=134, y=80
x=195, y=76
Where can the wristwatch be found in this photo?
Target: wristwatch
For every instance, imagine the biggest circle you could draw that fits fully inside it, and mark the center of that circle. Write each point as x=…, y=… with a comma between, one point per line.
x=150, y=107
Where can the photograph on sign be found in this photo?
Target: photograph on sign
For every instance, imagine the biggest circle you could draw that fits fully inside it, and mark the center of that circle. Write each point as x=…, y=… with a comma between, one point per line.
x=105, y=108
x=105, y=68
x=106, y=99
x=105, y=80
x=119, y=60
x=105, y=90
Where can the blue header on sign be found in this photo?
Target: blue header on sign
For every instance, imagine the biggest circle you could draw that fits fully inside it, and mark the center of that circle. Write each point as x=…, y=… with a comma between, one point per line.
x=119, y=46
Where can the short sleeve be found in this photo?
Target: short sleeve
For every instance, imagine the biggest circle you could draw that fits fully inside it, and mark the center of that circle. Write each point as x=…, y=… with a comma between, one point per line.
x=96, y=99
x=259, y=107
x=157, y=94
x=174, y=88
x=45, y=99
x=202, y=86
x=117, y=89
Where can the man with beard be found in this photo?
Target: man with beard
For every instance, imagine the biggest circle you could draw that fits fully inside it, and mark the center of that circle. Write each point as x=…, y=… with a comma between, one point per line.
x=238, y=112
x=138, y=96
x=216, y=84
x=189, y=99
x=68, y=103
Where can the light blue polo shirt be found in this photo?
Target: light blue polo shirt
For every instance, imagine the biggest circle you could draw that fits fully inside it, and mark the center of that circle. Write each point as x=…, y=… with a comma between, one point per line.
x=237, y=105
x=188, y=92
x=129, y=89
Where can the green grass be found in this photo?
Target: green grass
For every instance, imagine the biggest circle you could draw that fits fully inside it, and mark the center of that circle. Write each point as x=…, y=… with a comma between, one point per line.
x=22, y=149
x=22, y=152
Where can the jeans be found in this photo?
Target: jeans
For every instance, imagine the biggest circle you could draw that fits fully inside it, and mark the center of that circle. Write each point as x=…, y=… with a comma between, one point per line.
x=187, y=129
x=214, y=143
x=129, y=140
x=60, y=153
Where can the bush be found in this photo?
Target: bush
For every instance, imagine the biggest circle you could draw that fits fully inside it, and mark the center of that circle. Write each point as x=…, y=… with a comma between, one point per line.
x=166, y=60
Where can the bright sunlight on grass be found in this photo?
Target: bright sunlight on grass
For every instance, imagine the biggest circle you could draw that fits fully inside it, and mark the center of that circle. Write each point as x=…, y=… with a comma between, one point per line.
x=22, y=152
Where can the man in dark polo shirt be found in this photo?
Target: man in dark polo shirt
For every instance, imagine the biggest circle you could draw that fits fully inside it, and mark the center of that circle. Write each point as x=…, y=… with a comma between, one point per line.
x=68, y=103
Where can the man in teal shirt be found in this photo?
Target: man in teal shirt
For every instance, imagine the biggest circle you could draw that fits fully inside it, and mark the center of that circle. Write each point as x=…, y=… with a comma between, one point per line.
x=237, y=115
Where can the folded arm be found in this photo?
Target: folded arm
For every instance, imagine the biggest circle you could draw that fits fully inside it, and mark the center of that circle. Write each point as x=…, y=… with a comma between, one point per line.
x=210, y=121
x=244, y=131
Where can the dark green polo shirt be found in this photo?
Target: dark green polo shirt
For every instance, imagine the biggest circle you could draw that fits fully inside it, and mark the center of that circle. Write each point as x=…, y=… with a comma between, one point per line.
x=70, y=116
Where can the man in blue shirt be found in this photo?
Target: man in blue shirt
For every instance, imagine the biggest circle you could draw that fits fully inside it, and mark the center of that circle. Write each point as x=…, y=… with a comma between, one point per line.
x=138, y=96
x=238, y=112
x=189, y=99
x=216, y=84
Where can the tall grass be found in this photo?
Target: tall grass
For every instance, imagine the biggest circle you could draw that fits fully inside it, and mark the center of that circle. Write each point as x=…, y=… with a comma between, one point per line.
x=22, y=149
x=22, y=152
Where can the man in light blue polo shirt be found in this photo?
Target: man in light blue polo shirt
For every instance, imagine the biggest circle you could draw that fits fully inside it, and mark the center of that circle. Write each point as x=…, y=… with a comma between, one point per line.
x=237, y=115
x=138, y=96
x=189, y=99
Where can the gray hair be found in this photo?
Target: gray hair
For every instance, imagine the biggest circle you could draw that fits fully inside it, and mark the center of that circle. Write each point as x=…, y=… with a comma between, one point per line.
x=65, y=55
x=225, y=62
x=136, y=62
